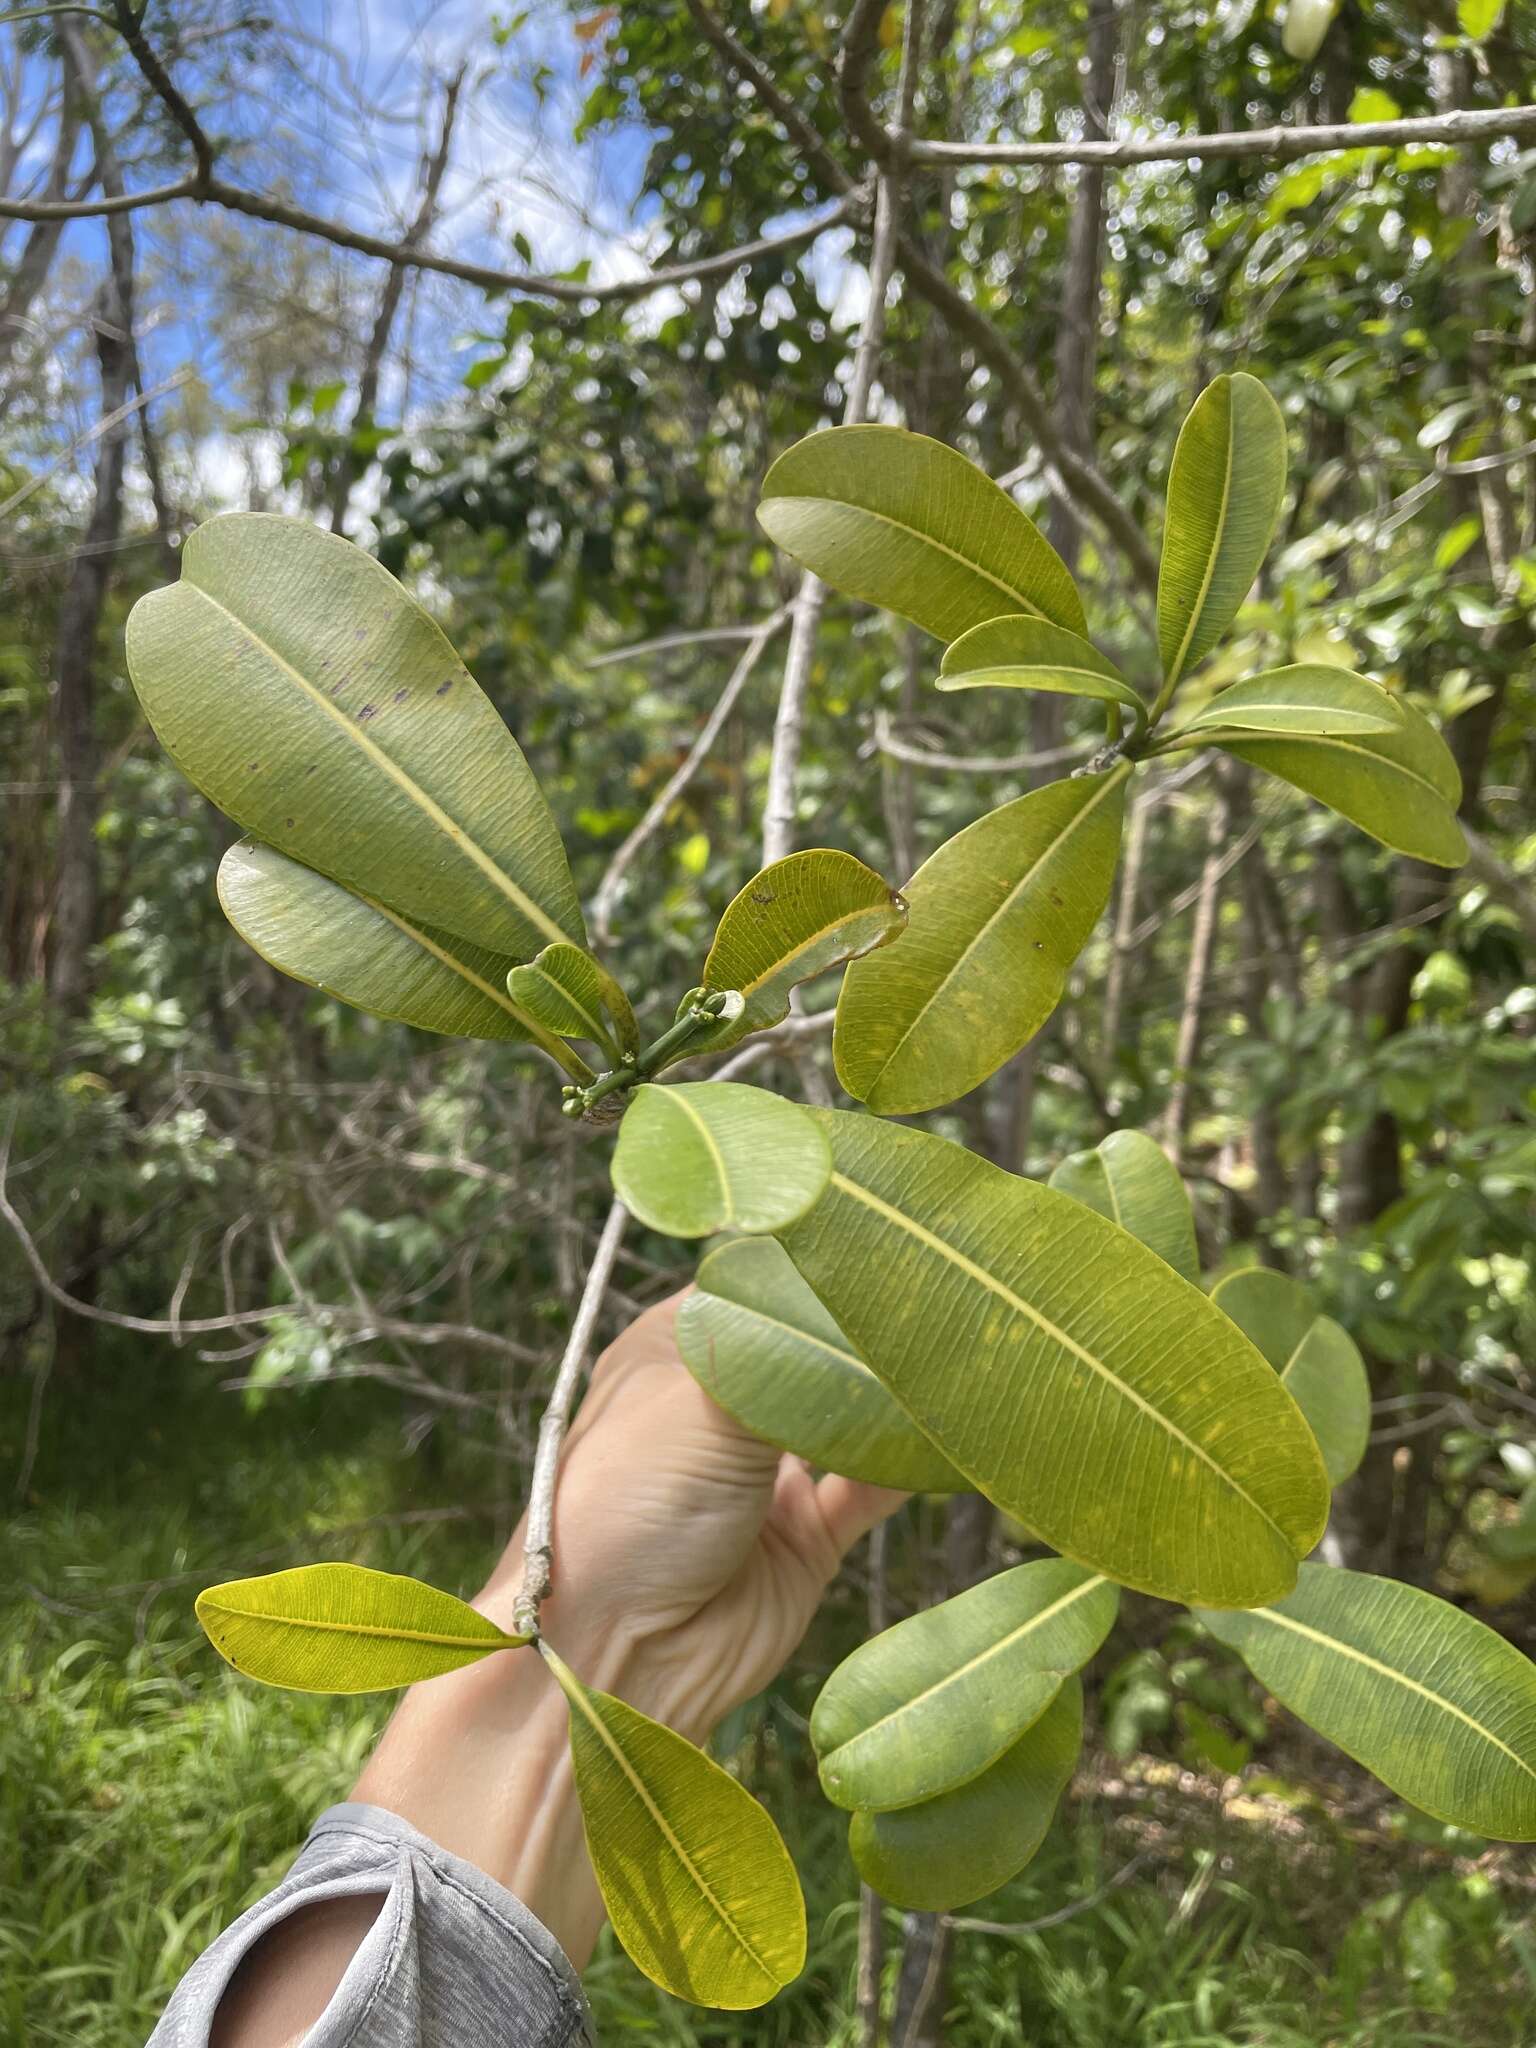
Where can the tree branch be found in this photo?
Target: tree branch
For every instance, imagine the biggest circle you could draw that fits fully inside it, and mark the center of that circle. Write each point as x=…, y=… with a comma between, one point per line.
x=538, y=1540
x=887, y=742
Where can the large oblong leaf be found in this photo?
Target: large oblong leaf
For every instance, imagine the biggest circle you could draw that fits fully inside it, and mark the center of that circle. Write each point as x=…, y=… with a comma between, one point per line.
x=930, y=1703
x=695, y=1876
x=952, y=1850
x=1401, y=786
x=1130, y=1179
x=344, y=1628
x=1021, y=653
x=1309, y=697
x=1433, y=1702
x=296, y=684
x=1074, y=1378
x=910, y=524
x=716, y=1155
x=799, y=917
x=362, y=953
x=759, y=1342
x=1224, y=493
x=995, y=919
x=571, y=993
x=1318, y=1361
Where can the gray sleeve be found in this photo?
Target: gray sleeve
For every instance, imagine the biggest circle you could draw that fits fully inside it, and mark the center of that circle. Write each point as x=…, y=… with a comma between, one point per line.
x=453, y=1960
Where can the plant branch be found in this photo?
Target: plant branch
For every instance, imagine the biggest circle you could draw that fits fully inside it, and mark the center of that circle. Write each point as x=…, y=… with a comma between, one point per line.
x=538, y=1539
x=887, y=741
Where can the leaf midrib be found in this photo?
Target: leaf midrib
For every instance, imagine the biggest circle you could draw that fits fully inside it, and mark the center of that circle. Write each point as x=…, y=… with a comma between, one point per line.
x=456, y=834
x=1319, y=739
x=1026, y=604
x=1176, y=667
x=1401, y=1678
x=365, y=1628
x=994, y=1649
x=728, y=1200
x=797, y=952
x=1043, y=1322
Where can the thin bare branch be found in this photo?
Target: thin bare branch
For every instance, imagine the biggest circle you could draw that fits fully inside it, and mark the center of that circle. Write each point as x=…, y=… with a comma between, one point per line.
x=887, y=741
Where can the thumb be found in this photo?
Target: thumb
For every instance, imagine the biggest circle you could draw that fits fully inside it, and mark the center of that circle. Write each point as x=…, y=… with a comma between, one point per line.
x=851, y=1507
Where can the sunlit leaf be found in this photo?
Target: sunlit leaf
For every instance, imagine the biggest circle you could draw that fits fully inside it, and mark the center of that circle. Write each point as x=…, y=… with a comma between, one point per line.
x=799, y=917
x=715, y=1155
x=1433, y=1702
x=1224, y=493
x=1022, y=653
x=361, y=953
x=1070, y=1373
x=909, y=524
x=343, y=1628
x=1308, y=698
x=1401, y=786
x=1130, y=1179
x=756, y=1338
x=1318, y=1362
x=996, y=918
x=297, y=685
x=930, y=1703
x=956, y=1848
x=574, y=995
x=696, y=1879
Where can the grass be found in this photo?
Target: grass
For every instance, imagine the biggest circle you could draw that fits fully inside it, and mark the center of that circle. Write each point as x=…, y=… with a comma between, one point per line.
x=147, y=1795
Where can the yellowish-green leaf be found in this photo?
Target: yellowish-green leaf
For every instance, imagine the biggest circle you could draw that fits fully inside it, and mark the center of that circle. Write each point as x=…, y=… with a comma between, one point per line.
x=930, y=1703
x=755, y=1338
x=1317, y=1360
x=1308, y=698
x=362, y=953
x=1440, y=1708
x=696, y=1879
x=909, y=524
x=1306, y=24
x=1023, y=653
x=1130, y=1179
x=1401, y=786
x=1224, y=494
x=297, y=685
x=573, y=995
x=799, y=917
x=343, y=1628
x=995, y=919
x=952, y=1850
x=716, y=1155
x=1073, y=1376
x=1479, y=18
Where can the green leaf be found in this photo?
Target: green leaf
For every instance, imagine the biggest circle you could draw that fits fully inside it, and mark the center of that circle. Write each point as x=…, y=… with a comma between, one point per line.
x=1308, y=698
x=799, y=917
x=1479, y=18
x=1073, y=1377
x=909, y=524
x=1130, y=1179
x=1022, y=653
x=995, y=919
x=1318, y=1362
x=1402, y=787
x=930, y=1703
x=715, y=1155
x=343, y=1628
x=952, y=1850
x=755, y=1338
x=696, y=1879
x=574, y=995
x=294, y=682
x=1224, y=493
x=362, y=953
x=1440, y=1708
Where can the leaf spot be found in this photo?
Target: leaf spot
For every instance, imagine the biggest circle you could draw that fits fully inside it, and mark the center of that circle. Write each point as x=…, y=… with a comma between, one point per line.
x=368, y=711
x=444, y=688
x=401, y=694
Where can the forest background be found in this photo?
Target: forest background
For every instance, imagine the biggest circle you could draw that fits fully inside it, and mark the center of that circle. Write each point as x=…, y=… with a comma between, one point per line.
x=280, y=1281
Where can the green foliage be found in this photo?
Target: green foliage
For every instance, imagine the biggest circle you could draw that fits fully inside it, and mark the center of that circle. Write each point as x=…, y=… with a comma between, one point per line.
x=1306, y=699
x=695, y=1877
x=570, y=993
x=1318, y=1362
x=343, y=1628
x=909, y=524
x=931, y=1703
x=1027, y=654
x=1130, y=1179
x=703, y=1156
x=759, y=1342
x=1099, y=1359
x=1425, y=1696
x=948, y=1851
x=995, y=919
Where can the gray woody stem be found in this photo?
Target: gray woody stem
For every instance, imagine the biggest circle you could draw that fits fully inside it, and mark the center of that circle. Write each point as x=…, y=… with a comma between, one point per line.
x=538, y=1541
